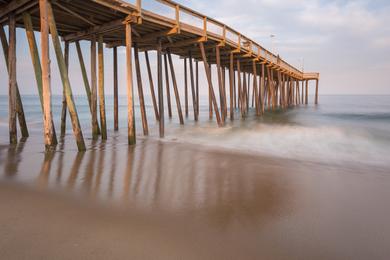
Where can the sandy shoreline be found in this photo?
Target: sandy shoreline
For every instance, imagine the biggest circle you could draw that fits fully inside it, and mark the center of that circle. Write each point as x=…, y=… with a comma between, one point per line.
x=162, y=200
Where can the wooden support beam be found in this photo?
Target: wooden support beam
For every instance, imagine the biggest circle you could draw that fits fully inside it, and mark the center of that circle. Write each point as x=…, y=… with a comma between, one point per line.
x=160, y=89
x=36, y=64
x=197, y=87
x=95, y=124
x=130, y=98
x=210, y=99
x=13, y=135
x=273, y=91
x=247, y=92
x=102, y=101
x=115, y=85
x=234, y=88
x=97, y=29
x=140, y=91
x=19, y=104
x=74, y=13
x=46, y=88
x=64, y=77
x=224, y=92
x=220, y=84
x=262, y=88
x=307, y=92
x=243, y=95
x=151, y=84
x=176, y=91
x=231, y=85
x=283, y=91
x=219, y=80
x=84, y=73
x=208, y=76
x=269, y=88
x=167, y=86
x=185, y=87
x=298, y=93
x=12, y=6
x=239, y=86
x=255, y=91
x=63, y=110
x=192, y=86
x=316, y=97
x=253, y=94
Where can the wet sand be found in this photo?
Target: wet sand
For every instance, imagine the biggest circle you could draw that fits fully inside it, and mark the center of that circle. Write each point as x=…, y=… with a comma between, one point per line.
x=167, y=200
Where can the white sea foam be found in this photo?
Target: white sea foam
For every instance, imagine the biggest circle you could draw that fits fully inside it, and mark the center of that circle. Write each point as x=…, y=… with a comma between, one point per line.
x=324, y=144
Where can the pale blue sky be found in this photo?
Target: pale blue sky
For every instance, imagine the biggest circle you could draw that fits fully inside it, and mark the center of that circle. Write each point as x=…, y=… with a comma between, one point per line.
x=348, y=42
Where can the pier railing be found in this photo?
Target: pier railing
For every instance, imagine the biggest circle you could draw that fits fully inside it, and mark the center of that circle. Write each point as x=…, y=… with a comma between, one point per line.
x=208, y=27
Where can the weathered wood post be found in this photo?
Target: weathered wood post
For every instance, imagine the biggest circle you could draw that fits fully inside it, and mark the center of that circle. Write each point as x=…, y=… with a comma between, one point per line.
x=160, y=88
x=19, y=104
x=255, y=89
x=95, y=124
x=307, y=92
x=13, y=135
x=140, y=91
x=185, y=87
x=269, y=94
x=193, y=91
x=197, y=87
x=36, y=64
x=210, y=98
x=262, y=87
x=298, y=91
x=64, y=77
x=102, y=101
x=316, y=99
x=231, y=82
x=115, y=75
x=168, y=91
x=239, y=87
x=280, y=83
x=130, y=98
x=247, y=92
x=234, y=89
x=64, y=107
x=151, y=84
x=210, y=83
x=46, y=88
x=224, y=91
x=220, y=84
x=175, y=89
x=283, y=91
x=84, y=74
x=243, y=95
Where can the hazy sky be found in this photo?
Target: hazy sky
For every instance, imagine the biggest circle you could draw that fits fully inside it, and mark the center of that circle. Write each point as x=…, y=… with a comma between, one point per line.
x=348, y=42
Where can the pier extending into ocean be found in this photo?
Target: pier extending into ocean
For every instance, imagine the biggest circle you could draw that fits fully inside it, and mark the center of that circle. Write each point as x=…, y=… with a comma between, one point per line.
x=248, y=74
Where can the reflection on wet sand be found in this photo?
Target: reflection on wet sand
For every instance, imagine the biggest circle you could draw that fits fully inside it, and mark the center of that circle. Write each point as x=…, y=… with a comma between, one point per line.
x=157, y=176
x=13, y=158
x=232, y=204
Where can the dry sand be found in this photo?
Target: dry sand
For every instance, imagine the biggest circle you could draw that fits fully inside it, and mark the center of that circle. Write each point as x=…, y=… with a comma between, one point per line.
x=163, y=200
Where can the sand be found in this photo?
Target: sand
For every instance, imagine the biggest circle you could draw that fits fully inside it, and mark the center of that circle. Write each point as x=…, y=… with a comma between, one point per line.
x=166, y=200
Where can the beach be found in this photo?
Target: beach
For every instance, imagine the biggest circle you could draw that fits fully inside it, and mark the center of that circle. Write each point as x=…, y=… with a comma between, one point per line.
x=167, y=200
x=310, y=182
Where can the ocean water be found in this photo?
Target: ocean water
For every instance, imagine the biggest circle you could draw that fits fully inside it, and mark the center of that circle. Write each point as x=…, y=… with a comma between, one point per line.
x=341, y=129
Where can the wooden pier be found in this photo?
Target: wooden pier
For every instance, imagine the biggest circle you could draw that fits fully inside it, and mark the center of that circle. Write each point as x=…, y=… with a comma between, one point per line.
x=248, y=74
